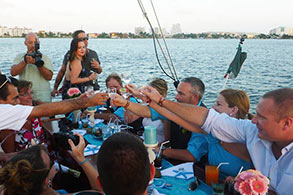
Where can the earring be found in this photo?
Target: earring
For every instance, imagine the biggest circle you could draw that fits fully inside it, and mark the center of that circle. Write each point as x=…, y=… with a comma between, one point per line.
x=49, y=183
x=230, y=114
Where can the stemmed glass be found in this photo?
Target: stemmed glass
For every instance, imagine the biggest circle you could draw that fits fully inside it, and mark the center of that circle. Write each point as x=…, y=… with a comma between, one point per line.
x=143, y=96
x=126, y=80
x=111, y=92
x=102, y=107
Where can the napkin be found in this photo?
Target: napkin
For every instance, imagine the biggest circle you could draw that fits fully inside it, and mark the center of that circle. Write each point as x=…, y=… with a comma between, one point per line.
x=155, y=192
x=79, y=131
x=173, y=171
x=97, y=120
x=91, y=149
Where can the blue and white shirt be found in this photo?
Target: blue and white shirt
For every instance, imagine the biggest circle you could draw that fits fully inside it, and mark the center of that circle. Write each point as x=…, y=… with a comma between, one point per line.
x=229, y=129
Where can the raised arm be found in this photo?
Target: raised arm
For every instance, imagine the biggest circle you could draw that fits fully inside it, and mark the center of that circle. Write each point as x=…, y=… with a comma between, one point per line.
x=136, y=108
x=175, y=118
x=78, y=154
x=46, y=73
x=16, y=69
x=193, y=114
x=75, y=71
x=51, y=109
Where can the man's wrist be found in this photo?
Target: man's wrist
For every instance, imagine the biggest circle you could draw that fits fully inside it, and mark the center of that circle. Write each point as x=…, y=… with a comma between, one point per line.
x=24, y=59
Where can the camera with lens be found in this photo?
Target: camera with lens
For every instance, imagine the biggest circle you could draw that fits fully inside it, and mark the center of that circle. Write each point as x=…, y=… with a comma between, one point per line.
x=37, y=55
x=61, y=139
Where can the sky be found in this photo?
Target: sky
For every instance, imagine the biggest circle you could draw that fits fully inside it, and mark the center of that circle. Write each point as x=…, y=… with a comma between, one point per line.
x=194, y=16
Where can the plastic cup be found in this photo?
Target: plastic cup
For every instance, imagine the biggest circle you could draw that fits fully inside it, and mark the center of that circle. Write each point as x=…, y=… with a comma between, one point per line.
x=106, y=132
x=212, y=174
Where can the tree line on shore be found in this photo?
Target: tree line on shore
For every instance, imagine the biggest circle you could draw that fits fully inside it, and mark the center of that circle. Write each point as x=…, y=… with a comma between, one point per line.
x=145, y=35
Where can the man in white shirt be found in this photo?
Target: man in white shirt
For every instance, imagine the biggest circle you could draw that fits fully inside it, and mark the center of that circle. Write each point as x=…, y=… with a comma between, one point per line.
x=268, y=136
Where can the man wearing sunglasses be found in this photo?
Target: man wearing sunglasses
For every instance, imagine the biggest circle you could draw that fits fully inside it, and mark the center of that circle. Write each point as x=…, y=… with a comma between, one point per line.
x=91, y=63
x=34, y=67
x=14, y=116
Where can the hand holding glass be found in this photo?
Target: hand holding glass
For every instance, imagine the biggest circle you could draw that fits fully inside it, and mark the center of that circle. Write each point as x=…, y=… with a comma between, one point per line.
x=111, y=92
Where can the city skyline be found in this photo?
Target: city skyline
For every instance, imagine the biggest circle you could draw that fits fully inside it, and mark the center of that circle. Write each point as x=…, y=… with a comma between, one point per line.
x=123, y=16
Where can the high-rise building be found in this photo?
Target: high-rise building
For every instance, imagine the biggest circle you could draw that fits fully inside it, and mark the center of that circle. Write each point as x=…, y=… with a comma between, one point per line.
x=281, y=31
x=14, y=32
x=176, y=29
x=139, y=30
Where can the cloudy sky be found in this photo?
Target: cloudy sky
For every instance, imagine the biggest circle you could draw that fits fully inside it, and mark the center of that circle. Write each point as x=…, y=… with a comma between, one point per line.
x=124, y=15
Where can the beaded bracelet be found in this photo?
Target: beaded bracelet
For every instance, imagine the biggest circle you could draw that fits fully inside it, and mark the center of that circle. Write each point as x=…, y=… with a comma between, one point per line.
x=83, y=162
x=127, y=104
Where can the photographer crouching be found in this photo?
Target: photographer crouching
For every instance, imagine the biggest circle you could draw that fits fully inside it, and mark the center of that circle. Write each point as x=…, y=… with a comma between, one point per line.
x=35, y=67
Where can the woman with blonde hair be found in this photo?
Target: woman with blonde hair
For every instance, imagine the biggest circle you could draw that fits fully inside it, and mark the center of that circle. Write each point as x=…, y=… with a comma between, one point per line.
x=162, y=87
x=234, y=103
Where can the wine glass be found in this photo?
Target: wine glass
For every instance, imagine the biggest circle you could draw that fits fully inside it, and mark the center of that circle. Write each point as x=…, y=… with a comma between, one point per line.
x=111, y=92
x=126, y=78
x=89, y=90
x=101, y=107
x=143, y=96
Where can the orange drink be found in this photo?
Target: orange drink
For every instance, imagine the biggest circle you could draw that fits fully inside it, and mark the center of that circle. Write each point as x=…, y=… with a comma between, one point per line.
x=212, y=174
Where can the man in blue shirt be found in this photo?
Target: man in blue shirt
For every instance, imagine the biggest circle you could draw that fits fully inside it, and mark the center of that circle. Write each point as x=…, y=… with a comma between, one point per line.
x=190, y=91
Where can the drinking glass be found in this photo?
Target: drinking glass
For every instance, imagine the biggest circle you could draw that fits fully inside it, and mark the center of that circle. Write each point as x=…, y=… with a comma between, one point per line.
x=219, y=187
x=143, y=96
x=111, y=92
x=106, y=132
x=212, y=174
x=126, y=78
x=102, y=107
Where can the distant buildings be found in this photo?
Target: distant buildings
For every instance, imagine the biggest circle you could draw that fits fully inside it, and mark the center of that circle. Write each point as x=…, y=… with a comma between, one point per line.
x=13, y=32
x=139, y=30
x=176, y=29
x=281, y=31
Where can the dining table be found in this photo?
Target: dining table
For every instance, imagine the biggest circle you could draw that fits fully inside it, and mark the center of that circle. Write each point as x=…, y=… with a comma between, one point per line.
x=171, y=185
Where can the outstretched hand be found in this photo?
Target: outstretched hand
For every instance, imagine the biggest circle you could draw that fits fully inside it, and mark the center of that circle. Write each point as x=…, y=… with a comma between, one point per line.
x=133, y=90
x=97, y=99
x=118, y=100
x=78, y=151
x=151, y=93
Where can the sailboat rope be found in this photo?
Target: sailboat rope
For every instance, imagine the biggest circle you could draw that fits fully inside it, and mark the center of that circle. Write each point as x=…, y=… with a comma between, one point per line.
x=163, y=37
x=155, y=38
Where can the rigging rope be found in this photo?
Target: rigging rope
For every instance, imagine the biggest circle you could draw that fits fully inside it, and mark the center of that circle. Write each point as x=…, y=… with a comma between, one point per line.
x=155, y=38
x=163, y=37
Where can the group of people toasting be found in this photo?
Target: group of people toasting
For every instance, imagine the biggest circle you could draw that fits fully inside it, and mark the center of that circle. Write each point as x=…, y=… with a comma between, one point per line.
x=227, y=132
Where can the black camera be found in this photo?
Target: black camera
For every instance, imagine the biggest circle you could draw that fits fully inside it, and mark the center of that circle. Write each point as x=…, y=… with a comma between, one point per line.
x=37, y=55
x=61, y=139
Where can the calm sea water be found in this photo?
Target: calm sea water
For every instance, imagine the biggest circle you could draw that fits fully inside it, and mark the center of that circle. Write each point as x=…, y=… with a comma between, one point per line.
x=269, y=64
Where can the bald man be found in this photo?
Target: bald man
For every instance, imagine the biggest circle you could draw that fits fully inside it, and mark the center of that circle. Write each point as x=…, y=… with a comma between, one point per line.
x=38, y=73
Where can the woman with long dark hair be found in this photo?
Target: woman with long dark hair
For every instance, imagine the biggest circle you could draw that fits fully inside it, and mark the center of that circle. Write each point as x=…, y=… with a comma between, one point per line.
x=76, y=75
